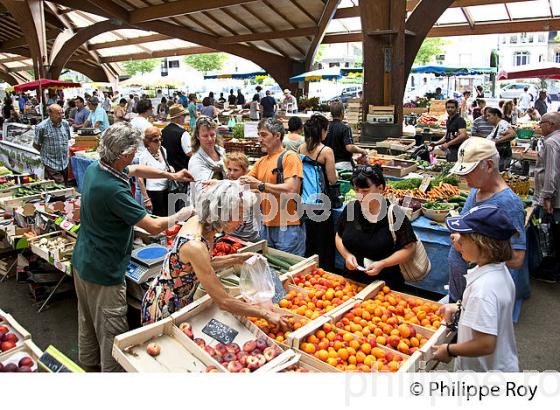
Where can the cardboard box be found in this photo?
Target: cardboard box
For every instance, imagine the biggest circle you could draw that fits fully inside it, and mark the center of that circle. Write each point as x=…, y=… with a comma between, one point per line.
x=399, y=167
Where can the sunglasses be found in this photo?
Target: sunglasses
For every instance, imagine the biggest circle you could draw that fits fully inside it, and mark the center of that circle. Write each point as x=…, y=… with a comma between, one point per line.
x=155, y=139
x=366, y=170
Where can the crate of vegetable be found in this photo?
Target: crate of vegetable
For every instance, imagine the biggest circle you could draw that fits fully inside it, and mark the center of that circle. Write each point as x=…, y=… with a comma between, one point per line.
x=437, y=211
x=278, y=260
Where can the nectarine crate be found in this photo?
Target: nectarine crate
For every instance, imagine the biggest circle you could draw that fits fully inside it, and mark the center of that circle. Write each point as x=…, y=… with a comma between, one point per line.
x=26, y=349
x=219, y=338
x=10, y=203
x=291, y=278
x=280, y=260
x=435, y=332
x=19, y=334
x=368, y=357
x=176, y=351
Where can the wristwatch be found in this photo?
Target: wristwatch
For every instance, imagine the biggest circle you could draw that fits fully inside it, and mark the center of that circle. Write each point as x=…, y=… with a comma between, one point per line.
x=261, y=187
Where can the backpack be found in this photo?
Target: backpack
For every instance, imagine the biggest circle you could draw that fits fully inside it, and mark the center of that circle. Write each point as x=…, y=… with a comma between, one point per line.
x=314, y=182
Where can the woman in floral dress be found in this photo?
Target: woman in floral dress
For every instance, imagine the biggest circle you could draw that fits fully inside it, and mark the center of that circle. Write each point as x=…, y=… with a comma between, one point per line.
x=219, y=208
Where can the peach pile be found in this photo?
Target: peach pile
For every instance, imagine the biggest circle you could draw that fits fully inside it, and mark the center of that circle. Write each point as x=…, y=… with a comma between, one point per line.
x=273, y=331
x=347, y=352
x=25, y=365
x=253, y=355
x=322, y=292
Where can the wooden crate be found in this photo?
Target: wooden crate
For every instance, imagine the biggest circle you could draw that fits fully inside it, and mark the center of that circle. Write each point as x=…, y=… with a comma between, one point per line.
x=27, y=348
x=9, y=192
x=129, y=350
x=441, y=335
x=10, y=203
x=399, y=167
x=198, y=314
x=14, y=327
x=263, y=248
x=48, y=255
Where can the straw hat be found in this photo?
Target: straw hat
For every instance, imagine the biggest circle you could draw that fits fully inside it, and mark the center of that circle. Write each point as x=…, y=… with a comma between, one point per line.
x=176, y=110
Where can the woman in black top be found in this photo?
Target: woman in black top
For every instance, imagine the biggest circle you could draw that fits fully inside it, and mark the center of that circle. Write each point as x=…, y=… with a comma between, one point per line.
x=363, y=232
x=319, y=233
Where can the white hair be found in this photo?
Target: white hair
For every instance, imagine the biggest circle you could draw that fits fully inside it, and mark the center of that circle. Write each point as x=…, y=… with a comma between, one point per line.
x=119, y=139
x=220, y=203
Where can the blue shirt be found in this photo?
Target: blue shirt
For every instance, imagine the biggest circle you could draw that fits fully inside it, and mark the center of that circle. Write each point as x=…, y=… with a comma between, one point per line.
x=99, y=115
x=511, y=203
x=81, y=116
x=183, y=100
x=54, y=143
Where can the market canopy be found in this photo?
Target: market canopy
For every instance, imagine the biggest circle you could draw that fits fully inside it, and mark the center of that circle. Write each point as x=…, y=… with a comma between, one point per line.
x=45, y=84
x=549, y=71
x=452, y=71
x=237, y=76
x=318, y=75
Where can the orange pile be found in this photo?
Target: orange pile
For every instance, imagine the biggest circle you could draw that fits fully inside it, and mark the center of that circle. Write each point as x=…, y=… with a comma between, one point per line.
x=347, y=352
x=388, y=318
x=274, y=331
x=322, y=292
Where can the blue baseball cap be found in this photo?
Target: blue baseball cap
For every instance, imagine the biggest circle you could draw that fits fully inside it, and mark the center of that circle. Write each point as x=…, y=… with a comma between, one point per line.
x=487, y=220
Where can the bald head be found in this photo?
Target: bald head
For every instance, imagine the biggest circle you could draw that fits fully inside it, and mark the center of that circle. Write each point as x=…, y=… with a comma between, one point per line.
x=55, y=112
x=553, y=118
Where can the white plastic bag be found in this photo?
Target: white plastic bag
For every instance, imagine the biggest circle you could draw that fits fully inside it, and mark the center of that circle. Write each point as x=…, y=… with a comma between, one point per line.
x=256, y=283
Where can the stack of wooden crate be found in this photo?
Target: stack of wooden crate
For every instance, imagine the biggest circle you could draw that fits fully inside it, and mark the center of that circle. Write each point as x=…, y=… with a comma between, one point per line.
x=354, y=115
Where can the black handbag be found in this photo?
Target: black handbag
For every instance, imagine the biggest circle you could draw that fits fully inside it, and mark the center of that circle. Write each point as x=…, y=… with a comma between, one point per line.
x=174, y=187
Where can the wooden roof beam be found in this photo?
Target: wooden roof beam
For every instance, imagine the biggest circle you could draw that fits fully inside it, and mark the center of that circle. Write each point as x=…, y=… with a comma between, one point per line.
x=178, y=8
x=271, y=35
x=326, y=17
x=128, y=42
x=13, y=59
x=468, y=16
x=158, y=54
x=348, y=12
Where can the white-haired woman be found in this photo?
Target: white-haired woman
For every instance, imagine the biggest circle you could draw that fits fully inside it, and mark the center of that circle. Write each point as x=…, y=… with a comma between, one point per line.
x=102, y=252
x=219, y=208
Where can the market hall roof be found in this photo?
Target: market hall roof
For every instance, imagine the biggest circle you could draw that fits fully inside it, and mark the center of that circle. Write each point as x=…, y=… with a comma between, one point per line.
x=265, y=31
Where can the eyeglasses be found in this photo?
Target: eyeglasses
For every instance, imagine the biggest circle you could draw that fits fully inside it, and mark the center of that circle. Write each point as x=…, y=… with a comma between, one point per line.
x=203, y=119
x=155, y=139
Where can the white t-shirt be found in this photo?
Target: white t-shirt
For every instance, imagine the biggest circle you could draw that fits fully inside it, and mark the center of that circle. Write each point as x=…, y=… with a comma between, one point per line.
x=488, y=303
x=186, y=143
x=502, y=127
x=154, y=184
x=524, y=101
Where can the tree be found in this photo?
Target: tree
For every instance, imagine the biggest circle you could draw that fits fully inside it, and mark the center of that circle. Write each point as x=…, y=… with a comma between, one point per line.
x=430, y=48
x=206, y=62
x=140, y=66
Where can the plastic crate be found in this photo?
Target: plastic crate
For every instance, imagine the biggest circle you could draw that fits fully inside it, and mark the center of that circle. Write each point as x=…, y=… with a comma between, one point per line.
x=525, y=134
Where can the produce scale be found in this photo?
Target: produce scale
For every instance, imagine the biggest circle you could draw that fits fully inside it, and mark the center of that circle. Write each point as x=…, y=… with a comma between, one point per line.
x=145, y=262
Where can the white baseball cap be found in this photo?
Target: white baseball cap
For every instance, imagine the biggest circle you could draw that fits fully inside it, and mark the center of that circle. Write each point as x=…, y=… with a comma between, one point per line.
x=471, y=152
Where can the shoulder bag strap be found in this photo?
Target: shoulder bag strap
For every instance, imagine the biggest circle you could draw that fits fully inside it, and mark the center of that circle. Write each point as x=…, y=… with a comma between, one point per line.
x=164, y=159
x=279, y=171
x=390, y=217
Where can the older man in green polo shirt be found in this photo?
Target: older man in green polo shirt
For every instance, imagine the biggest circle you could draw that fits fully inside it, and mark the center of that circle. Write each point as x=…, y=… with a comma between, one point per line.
x=102, y=253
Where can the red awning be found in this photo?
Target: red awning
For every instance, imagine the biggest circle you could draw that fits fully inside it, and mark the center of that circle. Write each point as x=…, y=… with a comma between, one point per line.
x=549, y=71
x=45, y=84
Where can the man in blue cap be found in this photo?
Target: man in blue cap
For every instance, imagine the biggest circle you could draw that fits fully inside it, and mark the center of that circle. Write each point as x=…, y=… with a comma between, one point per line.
x=485, y=339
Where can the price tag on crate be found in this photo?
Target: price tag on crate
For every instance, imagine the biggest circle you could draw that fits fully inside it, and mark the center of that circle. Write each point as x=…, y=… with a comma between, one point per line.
x=220, y=331
x=66, y=225
x=425, y=184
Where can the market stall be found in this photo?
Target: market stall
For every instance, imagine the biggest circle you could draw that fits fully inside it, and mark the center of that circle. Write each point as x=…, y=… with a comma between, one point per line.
x=16, y=149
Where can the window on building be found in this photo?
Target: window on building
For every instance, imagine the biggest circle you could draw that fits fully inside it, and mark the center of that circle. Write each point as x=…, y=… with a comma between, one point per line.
x=523, y=37
x=174, y=64
x=513, y=39
x=557, y=57
x=541, y=38
x=520, y=58
x=530, y=38
x=440, y=59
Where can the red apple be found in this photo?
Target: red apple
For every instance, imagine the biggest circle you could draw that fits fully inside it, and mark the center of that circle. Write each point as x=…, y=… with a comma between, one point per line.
x=10, y=368
x=25, y=369
x=199, y=341
x=234, y=367
x=252, y=362
x=212, y=369
x=261, y=344
x=26, y=361
x=220, y=348
x=261, y=359
x=153, y=349
x=230, y=357
x=9, y=337
x=249, y=346
x=5, y=346
x=3, y=330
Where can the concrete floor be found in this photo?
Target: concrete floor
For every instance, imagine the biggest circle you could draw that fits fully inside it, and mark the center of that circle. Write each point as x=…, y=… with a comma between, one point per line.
x=537, y=333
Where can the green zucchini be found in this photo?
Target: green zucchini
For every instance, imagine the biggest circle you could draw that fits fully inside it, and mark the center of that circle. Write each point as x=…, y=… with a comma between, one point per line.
x=278, y=262
x=457, y=199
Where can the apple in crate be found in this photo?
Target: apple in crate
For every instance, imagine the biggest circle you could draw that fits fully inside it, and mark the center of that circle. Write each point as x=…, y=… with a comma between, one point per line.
x=3, y=330
x=25, y=361
x=5, y=346
x=153, y=349
x=9, y=337
x=186, y=328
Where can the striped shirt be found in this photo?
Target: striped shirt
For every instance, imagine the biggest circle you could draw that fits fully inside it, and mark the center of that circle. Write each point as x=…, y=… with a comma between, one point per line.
x=481, y=128
x=54, y=143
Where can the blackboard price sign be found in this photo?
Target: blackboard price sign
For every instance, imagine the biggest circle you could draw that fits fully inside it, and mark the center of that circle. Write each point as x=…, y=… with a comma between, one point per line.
x=220, y=331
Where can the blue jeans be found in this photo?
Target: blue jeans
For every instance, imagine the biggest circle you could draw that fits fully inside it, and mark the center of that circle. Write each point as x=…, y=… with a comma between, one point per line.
x=289, y=239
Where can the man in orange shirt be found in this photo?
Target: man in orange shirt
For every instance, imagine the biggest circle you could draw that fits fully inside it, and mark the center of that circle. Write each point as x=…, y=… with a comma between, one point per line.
x=280, y=189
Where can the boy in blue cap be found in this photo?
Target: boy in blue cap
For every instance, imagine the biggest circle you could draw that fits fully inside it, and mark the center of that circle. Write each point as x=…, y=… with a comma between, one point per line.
x=485, y=339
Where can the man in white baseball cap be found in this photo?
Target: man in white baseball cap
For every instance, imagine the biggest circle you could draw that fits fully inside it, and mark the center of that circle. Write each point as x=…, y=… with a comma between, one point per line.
x=290, y=102
x=478, y=161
